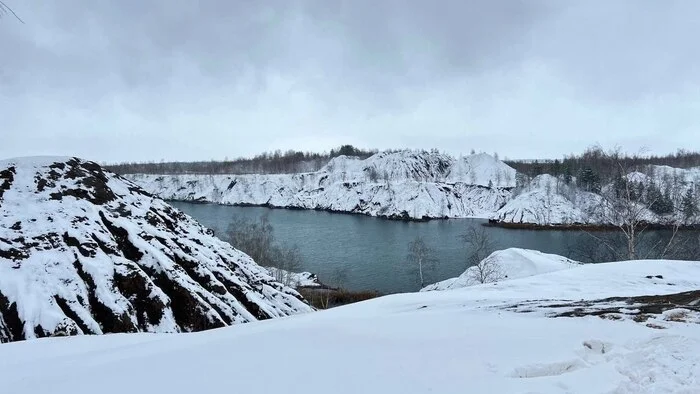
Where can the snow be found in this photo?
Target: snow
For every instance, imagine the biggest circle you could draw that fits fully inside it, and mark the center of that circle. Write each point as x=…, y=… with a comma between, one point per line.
x=294, y=279
x=482, y=169
x=463, y=340
x=512, y=263
x=401, y=184
x=417, y=185
x=85, y=251
x=548, y=200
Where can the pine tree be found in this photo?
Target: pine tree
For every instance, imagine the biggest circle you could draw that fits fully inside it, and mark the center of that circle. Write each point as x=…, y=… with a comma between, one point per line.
x=589, y=180
x=689, y=205
x=568, y=177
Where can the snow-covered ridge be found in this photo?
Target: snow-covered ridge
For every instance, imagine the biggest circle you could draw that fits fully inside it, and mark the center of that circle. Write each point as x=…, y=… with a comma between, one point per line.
x=407, y=185
x=507, y=264
x=84, y=251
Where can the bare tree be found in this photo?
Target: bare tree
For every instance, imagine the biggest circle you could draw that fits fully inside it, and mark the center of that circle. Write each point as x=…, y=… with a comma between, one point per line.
x=6, y=10
x=478, y=244
x=623, y=207
x=256, y=238
x=421, y=258
x=487, y=270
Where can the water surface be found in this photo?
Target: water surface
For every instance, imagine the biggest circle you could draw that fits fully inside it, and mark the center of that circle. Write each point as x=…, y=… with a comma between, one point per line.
x=367, y=253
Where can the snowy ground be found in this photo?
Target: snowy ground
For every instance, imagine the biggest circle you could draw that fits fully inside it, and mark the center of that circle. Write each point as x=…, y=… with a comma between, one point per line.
x=294, y=279
x=464, y=340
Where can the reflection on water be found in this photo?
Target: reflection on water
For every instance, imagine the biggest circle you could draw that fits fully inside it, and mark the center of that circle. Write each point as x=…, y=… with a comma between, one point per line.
x=370, y=252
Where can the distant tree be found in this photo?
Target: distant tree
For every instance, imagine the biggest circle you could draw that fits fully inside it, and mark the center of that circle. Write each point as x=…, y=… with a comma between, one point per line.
x=487, y=270
x=256, y=239
x=478, y=245
x=537, y=169
x=421, y=258
x=689, y=206
x=556, y=168
x=495, y=155
x=472, y=152
x=620, y=207
x=568, y=177
x=589, y=180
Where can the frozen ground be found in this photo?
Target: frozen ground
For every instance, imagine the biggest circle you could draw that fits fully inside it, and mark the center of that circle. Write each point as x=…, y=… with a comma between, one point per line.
x=464, y=340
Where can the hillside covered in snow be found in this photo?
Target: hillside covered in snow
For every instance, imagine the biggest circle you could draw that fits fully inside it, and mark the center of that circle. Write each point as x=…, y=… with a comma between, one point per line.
x=429, y=185
x=398, y=185
x=659, y=194
x=627, y=328
x=84, y=251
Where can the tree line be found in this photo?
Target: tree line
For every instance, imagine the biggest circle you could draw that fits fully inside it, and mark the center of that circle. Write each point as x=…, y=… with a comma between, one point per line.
x=595, y=167
x=276, y=162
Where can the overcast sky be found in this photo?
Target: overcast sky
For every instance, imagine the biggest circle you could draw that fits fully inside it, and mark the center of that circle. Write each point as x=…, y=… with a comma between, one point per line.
x=186, y=79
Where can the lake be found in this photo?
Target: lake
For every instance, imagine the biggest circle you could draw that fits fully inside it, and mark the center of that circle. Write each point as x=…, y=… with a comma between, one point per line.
x=367, y=253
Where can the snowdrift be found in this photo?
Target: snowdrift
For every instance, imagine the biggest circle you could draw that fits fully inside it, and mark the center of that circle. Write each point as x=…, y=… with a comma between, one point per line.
x=397, y=185
x=512, y=263
x=436, y=342
x=83, y=251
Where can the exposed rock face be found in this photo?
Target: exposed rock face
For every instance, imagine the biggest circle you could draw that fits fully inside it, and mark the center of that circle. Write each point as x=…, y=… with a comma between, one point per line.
x=395, y=185
x=84, y=251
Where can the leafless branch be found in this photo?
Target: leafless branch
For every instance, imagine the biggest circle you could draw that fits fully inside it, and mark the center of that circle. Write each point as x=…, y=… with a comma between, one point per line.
x=5, y=9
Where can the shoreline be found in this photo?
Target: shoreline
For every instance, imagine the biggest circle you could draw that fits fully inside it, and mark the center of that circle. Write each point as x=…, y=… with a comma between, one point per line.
x=582, y=227
x=404, y=217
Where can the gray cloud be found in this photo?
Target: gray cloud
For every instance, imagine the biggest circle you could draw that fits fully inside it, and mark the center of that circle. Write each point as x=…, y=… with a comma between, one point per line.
x=186, y=79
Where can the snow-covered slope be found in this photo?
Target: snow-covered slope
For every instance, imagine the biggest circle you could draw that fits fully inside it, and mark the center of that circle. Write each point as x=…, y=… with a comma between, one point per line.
x=548, y=200
x=512, y=263
x=83, y=251
x=466, y=340
x=407, y=185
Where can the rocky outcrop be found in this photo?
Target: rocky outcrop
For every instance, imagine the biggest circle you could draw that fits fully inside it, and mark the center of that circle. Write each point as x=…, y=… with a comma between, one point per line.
x=84, y=251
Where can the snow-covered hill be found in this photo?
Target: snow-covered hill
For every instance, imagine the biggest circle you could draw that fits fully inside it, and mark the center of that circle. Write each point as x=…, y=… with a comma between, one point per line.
x=83, y=251
x=402, y=185
x=549, y=200
x=512, y=263
x=494, y=338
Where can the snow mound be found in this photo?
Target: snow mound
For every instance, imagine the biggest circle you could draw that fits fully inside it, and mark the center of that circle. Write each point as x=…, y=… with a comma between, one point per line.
x=396, y=185
x=512, y=263
x=84, y=251
x=430, y=342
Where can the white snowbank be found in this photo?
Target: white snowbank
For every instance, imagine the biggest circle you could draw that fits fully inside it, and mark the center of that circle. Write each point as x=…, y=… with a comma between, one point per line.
x=294, y=279
x=512, y=263
x=435, y=342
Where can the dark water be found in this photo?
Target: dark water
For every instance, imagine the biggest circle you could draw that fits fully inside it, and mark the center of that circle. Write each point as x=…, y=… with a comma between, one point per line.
x=367, y=253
